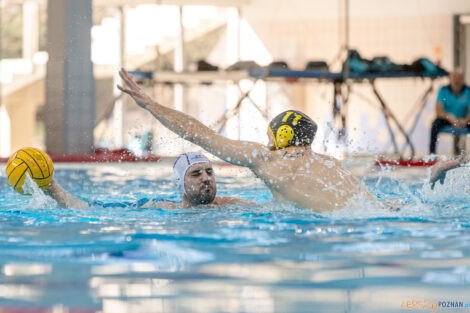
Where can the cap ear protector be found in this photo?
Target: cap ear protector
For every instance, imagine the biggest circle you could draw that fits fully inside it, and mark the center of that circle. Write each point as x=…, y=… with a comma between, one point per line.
x=292, y=128
x=284, y=136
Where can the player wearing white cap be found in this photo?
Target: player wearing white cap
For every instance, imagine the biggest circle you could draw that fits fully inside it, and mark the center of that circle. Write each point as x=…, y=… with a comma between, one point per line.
x=192, y=173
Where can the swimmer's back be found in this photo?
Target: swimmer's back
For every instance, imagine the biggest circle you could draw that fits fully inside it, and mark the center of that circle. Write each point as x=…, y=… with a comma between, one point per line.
x=308, y=180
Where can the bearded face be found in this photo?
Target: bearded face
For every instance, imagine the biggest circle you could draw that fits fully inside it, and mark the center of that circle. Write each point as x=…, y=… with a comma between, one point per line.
x=199, y=184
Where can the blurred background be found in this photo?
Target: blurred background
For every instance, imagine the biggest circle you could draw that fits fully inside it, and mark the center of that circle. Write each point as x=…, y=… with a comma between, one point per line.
x=60, y=58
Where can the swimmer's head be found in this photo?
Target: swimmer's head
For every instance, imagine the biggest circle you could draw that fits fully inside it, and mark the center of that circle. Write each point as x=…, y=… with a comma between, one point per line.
x=291, y=128
x=194, y=176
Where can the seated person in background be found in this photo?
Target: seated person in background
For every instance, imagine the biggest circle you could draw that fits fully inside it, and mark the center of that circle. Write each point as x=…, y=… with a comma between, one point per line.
x=439, y=170
x=194, y=176
x=288, y=166
x=452, y=107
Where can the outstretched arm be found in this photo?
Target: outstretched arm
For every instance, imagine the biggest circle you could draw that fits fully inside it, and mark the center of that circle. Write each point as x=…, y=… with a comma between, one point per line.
x=439, y=170
x=237, y=152
x=235, y=201
x=159, y=205
x=67, y=201
x=64, y=198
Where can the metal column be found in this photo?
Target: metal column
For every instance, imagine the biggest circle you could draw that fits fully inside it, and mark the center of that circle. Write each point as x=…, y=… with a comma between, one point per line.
x=70, y=84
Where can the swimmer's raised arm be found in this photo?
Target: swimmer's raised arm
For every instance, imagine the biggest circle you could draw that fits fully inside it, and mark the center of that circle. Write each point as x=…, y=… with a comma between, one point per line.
x=237, y=152
x=64, y=198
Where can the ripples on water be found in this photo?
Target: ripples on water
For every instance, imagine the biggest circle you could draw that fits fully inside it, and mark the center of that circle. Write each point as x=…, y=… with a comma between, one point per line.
x=269, y=258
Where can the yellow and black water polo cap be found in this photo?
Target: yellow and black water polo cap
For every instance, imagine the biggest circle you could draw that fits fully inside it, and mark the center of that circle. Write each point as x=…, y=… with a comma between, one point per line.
x=292, y=128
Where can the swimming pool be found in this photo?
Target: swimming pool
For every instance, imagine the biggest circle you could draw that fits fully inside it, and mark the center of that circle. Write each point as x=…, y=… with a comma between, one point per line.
x=269, y=258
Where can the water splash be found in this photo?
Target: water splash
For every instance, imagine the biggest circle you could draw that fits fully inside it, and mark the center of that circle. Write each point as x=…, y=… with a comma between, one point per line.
x=38, y=199
x=456, y=187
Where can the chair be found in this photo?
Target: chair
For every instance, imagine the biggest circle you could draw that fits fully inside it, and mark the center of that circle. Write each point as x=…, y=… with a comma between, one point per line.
x=457, y=133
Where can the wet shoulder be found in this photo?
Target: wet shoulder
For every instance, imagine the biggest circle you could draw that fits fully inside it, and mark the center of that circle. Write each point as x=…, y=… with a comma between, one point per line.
x=288, y=162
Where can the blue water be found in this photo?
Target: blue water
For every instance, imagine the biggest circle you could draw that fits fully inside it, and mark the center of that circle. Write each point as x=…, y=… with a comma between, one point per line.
x=268, y=258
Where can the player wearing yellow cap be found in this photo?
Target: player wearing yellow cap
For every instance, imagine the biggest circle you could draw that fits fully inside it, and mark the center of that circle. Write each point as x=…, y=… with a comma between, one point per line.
x=292, y=128
x=288, y=166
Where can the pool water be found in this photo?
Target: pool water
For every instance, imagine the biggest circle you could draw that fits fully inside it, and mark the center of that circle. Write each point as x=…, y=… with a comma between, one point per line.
x=270, y=258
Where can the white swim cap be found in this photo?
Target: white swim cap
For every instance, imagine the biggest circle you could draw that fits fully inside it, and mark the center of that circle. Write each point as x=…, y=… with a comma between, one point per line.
x=181, y=165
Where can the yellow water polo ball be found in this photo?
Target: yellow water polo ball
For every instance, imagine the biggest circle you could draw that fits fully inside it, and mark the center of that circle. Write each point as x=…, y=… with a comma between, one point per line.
x=33, y=162
x=284, y=136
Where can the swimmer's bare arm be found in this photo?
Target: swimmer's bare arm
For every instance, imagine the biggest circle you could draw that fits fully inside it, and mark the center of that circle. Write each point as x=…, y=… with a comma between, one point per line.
x=233, y=200
x=161, y=205
x=237, y=152
x=217, y=201
x=67, y=201
x=64, y=198
x=439, y=170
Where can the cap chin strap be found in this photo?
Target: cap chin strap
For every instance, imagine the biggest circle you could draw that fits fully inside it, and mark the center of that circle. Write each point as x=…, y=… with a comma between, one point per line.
x=274, y=137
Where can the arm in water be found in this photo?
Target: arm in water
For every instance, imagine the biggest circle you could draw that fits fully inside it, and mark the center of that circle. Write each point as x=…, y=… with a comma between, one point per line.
x=243, y=153
x=439, y=170
x=67, y=201
x=234, y=201
x=64, y=198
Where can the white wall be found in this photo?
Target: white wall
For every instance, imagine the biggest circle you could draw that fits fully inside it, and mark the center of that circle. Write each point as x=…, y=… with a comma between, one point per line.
x=301, y=30
x=297, y=31
x=281, y=10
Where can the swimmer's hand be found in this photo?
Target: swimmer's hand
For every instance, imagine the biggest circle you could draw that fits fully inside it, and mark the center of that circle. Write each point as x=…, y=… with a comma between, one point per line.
x=439, y=171
x=133, y=90
x=441, y=176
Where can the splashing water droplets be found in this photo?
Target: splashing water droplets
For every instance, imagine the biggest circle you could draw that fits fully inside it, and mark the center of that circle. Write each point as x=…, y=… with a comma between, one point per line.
x=38, y=198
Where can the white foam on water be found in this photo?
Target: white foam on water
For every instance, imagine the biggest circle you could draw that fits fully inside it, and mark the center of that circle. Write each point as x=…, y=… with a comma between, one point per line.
x=456, y=187
x=38, y=199
x=251, y=237
x=428, y=203
x=169, y=254
x=449, y=254
x=360, y=207
x=366, y=208
x=381, y=247
x=445, y=278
